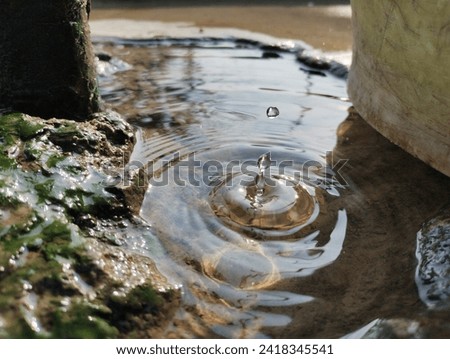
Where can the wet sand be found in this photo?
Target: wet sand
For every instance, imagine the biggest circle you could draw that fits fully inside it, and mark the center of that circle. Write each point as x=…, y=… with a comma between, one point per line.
x=325, y=26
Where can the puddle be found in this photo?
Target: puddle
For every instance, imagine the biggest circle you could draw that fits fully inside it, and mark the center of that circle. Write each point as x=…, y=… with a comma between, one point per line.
x=234, y=141
x=239, y=141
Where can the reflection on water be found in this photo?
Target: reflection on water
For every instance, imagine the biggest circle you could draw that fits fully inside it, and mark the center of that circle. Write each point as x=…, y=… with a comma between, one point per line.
x=240, y=193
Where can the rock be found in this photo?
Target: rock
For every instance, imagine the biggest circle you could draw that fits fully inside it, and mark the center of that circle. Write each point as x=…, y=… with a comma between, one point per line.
x=66, y=234
x=322, y=63
x=433, y=255
x=423, y=326
x=399, y=328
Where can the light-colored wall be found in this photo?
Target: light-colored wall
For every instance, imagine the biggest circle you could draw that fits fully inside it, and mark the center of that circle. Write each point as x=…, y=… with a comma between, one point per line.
x=400, y=76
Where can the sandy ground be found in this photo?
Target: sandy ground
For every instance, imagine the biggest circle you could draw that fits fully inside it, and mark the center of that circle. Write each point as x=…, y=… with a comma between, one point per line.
x=326, y=26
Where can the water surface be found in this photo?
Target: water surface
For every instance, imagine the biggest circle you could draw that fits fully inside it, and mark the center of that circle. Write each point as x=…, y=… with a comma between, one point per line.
x=208, y=109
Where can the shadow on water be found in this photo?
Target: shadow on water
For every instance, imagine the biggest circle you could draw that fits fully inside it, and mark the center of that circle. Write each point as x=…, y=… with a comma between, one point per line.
x=316, y=239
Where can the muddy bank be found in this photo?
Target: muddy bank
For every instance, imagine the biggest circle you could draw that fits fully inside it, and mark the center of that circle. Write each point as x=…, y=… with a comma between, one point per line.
x=325, y=25
x=67, y=269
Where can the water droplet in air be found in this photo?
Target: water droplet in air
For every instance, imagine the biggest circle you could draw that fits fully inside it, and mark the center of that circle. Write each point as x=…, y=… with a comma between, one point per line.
x=272, y=112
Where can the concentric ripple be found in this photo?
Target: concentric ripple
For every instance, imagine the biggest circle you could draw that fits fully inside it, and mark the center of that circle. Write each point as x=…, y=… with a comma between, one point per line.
x=218, y=224
x=234, y=226
x=284, y=204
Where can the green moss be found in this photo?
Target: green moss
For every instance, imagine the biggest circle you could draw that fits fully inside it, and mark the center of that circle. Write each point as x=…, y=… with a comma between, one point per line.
x=79, y=197
x=21, y=330
x=75, y=170
x=8, y=130
x=11, y=288
x=44, y=189
x=69, y=128
x=144, y=295
x=27, y=129
x=13, y=127
x=56, y=230
x=54, y=159
x=83, y=322
x=17, y=125
x=10, y=245
x=7, y=201
x=44, y=273
x=142, y=298
x=6, y=163
x=85, y=202
x=15, y=236
x=57, y=241
x=58, y=249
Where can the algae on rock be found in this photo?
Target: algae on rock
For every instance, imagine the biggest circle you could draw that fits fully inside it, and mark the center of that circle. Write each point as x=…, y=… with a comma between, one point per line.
x=64, y=232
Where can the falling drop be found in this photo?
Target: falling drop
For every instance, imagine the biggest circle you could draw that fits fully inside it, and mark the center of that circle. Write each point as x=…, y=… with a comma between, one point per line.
x=272, y=112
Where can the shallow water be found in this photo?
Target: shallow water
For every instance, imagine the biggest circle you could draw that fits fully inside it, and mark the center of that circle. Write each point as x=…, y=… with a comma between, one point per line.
x=246, y=190
x=204, y=110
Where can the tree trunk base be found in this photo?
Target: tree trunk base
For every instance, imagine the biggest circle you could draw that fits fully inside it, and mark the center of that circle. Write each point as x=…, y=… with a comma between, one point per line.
x=46, y=59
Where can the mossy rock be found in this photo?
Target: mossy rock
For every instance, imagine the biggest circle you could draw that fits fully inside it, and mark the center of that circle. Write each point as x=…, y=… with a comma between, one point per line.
x=54, y=208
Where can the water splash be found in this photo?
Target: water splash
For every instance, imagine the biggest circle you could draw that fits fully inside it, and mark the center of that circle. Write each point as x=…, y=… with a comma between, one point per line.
x=271, y=201
x=263, y=164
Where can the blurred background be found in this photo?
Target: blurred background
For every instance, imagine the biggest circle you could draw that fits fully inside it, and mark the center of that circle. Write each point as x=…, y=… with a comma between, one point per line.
x=324, y=24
